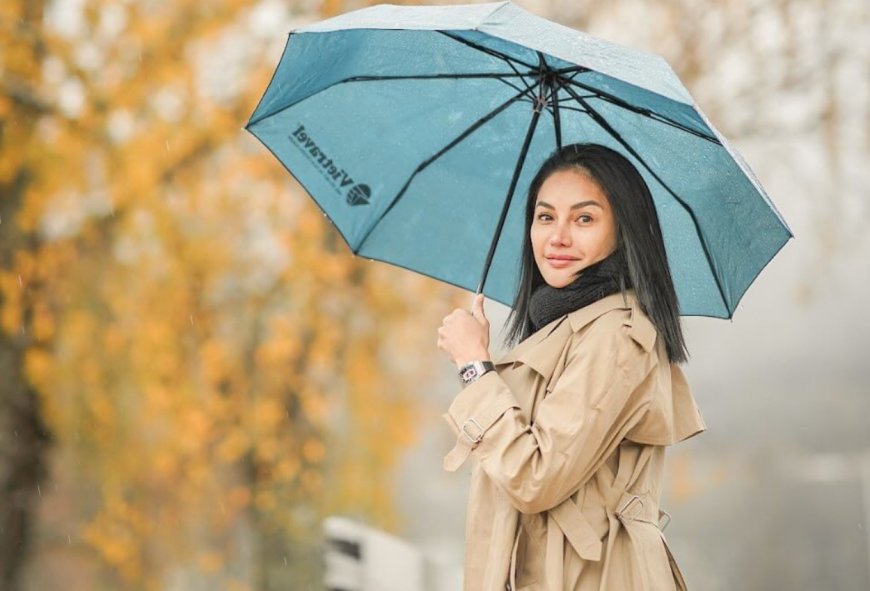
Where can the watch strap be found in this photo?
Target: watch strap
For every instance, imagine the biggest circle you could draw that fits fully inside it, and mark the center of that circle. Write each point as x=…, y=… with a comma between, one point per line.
x=471, y=372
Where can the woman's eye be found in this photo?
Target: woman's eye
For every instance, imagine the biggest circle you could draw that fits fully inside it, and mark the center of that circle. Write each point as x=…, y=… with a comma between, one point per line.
x=544, y=217
x=584, y=219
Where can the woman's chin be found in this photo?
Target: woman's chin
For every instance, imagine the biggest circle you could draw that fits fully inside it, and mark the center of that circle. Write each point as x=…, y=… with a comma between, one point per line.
x=559, y=280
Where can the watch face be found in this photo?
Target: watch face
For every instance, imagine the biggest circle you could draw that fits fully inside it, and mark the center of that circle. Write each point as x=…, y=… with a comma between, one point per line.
x=469, y=373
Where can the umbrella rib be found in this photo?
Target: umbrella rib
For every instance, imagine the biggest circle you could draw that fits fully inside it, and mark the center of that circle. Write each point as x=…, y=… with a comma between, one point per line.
x=570, y=99
x=575, y=109
x=501, y=77
x=514, y=86
x=602, y=122
x=423, y=165
x=487, y=50
x=523, y=78
x=642, y=111
x=517, y=74
x=571, y=69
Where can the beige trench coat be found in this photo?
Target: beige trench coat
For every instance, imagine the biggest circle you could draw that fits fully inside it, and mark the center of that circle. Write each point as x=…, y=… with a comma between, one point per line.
x=568, y=437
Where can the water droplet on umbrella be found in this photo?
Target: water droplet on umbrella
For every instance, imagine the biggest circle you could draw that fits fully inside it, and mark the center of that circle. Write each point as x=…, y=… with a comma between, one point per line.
x=167, y=145
x=20, y=284
x=38, y=490
x=285, y=561
x=191, y=320
x=69, y=539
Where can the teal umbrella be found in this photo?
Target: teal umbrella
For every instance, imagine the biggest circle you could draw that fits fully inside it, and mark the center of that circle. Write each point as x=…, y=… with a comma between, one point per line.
x=417, y=130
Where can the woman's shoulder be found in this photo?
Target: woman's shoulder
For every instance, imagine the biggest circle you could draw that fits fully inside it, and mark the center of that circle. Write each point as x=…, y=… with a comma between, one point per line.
x=617, y=320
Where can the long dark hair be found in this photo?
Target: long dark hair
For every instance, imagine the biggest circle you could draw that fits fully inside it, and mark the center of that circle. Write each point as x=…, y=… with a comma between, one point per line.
x=639, y=247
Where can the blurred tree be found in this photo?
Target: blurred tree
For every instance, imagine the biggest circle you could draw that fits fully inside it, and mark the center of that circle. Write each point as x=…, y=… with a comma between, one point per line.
x=23, y=437
x=215, y=367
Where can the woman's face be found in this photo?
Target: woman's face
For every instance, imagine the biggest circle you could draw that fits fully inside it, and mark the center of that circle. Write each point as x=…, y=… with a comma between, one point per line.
x=572, y=226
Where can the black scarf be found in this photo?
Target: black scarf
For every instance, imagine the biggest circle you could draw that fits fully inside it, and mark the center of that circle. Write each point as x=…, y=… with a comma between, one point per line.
x=595, y=282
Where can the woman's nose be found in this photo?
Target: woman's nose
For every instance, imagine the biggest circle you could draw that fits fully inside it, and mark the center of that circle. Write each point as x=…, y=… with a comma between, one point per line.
x=561, y=235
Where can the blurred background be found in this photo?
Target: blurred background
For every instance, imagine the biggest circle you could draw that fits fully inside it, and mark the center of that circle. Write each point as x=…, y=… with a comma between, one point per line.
x=195, y=372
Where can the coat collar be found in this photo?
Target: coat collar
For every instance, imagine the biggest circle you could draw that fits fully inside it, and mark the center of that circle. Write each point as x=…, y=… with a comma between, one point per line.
x=540, y=351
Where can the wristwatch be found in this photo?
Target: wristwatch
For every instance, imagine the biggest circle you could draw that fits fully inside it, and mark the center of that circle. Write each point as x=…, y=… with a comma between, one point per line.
x=470, y=372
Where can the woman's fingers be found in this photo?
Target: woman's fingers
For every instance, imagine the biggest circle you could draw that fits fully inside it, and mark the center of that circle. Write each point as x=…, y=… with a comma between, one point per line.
x=464, y=334
x=453, y=316
x=477, y=310
x=441, y=343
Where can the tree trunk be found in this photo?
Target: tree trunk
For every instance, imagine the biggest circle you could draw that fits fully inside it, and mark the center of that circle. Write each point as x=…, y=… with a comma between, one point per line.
x=23, y=447
x=23, y=437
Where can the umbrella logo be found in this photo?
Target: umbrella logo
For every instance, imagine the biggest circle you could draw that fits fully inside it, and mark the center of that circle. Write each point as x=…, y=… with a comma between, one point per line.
x=357, y=194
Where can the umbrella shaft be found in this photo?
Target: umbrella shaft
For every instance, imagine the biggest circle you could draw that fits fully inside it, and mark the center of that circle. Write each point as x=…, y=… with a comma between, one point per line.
x=510, y=194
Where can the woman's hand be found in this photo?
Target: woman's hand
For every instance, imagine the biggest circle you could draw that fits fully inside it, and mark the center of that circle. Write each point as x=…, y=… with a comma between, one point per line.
x=464, y=336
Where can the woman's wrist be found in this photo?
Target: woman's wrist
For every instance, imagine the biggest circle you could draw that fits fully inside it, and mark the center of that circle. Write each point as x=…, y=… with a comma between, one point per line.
x=466, y=359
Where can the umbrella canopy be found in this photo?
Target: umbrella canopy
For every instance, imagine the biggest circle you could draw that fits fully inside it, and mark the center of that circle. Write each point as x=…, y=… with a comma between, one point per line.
x=417, y=130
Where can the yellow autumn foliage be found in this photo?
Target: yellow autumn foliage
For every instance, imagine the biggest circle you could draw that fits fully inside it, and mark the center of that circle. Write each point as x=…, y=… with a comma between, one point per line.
x=209, y=357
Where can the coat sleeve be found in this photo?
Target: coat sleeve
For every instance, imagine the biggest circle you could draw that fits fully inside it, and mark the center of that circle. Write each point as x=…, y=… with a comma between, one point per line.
x=581, y=420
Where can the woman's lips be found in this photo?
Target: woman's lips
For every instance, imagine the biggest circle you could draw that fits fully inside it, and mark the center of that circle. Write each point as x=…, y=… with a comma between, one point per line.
x=560, y=262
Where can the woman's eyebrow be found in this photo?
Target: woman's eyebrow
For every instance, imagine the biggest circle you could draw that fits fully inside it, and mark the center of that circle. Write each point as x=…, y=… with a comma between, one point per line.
x=575, y=206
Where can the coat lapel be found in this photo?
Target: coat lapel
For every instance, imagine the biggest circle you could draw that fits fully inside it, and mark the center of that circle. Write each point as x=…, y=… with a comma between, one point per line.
x=583, y=316
x=534, y=349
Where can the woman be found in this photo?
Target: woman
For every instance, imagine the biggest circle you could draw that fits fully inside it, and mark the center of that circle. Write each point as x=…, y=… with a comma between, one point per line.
x=568, y=429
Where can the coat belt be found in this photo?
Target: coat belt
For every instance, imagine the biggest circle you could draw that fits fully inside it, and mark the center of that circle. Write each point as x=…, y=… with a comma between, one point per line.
x=576, y=528
x=567, y=522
